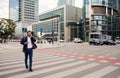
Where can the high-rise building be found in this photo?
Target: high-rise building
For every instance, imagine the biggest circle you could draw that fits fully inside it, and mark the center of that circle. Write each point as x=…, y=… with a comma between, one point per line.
x=23, y=10
x=23, y=13
x=101, y=16
x=64, y=2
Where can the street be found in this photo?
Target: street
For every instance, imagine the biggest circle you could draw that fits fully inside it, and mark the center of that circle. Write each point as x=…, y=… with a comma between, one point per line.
x=67, y=61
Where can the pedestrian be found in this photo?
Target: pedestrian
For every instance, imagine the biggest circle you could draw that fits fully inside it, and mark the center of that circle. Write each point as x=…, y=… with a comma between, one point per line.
x=28, y=43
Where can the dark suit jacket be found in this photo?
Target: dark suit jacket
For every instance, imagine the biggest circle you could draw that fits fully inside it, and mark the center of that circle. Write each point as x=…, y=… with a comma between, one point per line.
x=24, y=39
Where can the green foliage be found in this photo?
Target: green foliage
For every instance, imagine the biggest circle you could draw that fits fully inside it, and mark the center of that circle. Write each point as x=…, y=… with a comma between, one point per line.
x=7, y=28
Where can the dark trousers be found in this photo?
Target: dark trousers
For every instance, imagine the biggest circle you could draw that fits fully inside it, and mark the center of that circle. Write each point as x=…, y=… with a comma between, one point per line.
x=28, y=53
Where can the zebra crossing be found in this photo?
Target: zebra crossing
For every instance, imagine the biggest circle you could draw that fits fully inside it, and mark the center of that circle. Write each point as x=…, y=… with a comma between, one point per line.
x=10, y=46
x=46, y=65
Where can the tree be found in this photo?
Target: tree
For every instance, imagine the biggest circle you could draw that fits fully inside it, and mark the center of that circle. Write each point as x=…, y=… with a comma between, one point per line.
x=7, y=28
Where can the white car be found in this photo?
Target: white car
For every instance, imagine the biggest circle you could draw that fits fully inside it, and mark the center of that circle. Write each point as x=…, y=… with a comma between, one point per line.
x=117, y=41
x=61, y=40
x=77, y=40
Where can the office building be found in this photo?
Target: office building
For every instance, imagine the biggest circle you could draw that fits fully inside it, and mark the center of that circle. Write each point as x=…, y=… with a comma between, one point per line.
x=23, y=10
x=24, y=13
x=62, y=20
x=66, y=2
x=101, y=16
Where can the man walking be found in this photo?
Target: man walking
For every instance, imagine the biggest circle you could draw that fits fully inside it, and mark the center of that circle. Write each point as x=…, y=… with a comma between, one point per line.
x=27, y=43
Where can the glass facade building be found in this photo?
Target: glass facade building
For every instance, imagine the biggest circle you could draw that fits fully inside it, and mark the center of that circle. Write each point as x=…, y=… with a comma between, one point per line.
x=64, y=2
x=49, y=21
x=101, y=16
x=14, y=9
x=23, y=10
x=52, y=23
x=23, y=13
x=62, y=20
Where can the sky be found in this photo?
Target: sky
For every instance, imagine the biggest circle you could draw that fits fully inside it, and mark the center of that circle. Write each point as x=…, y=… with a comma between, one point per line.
x=43, y=6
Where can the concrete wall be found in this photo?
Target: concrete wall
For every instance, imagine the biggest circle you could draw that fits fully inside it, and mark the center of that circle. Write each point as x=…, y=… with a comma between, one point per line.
x=73, y=13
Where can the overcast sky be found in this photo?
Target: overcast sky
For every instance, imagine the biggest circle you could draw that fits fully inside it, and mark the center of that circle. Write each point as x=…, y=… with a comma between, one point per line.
x=43, y=6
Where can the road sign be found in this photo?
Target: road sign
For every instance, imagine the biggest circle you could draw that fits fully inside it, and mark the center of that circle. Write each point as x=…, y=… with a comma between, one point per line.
x=41, y=30
x=53, y=31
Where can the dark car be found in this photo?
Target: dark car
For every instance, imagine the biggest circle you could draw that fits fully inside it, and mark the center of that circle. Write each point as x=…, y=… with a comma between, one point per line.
x=95, y=42
x=109, y=42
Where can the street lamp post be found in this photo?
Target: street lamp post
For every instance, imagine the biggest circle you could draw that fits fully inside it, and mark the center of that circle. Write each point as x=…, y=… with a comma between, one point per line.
x=52, y=32
x=58, y=28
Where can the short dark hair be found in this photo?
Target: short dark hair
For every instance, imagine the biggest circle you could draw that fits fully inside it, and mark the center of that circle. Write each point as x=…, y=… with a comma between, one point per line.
x=30, y=32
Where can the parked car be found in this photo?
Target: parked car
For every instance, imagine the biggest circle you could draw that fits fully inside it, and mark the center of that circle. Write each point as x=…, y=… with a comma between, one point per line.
x=109, y=42
x=77, y=40
x=61, y=40
x=95, y=42
x=117, y=41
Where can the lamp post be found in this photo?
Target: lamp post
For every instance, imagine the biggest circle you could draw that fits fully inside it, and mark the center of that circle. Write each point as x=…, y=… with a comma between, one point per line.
x=58, y=28
x=52, y=32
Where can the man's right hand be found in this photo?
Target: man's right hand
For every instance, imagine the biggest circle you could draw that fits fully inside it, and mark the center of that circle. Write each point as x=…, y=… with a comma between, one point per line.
x=26, y=42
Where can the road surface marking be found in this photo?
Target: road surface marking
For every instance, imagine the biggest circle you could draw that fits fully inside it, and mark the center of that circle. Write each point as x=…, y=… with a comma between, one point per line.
x=22, y=64
x=36, y=66
x=35, y=59
x=72, y=71
x=47, y=70
x=101, y=73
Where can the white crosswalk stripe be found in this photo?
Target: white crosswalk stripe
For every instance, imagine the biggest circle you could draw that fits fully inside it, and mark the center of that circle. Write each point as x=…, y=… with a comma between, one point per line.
x=41, y=65
x=101, y=73
x=22, y=60
x=45, y=63
x=48, y=69
x=21, y=56
x=22, y=64
x=65, y=73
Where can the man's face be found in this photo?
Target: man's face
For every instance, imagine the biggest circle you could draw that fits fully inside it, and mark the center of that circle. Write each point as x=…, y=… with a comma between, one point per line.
x=29, y=34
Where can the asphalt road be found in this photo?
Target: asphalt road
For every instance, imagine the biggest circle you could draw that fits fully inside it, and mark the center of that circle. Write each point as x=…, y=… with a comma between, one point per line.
x=69, y=61
x=85, y=48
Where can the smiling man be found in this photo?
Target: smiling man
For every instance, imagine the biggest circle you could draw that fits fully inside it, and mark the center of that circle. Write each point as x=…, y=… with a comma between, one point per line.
x=27, y=43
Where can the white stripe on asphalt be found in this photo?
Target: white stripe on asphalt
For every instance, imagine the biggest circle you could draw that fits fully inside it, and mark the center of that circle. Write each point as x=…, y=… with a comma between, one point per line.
x=101, y=73
x=16, y=57
x=72, y=71
x=48, y=70
x=22, y=64
x=20, y=54
x=35, y=59
x=36, y=66
x=12, y=60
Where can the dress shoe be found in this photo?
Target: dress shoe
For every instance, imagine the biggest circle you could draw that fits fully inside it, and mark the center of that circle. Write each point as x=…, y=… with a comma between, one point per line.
x=30, y=70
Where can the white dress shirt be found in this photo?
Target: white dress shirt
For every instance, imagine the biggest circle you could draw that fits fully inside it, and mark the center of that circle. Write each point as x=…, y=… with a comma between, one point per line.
x=29, y=42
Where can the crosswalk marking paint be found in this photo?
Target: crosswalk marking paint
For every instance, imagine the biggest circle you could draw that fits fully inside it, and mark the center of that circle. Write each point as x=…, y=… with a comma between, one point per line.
x=36, y=66
x=101, y=73
x=47, y=70
x=72, y=71
x=41, y=58
x=16, y=57
x=22, y=64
